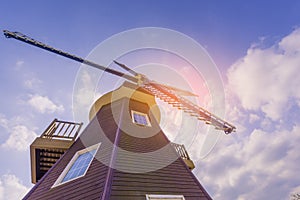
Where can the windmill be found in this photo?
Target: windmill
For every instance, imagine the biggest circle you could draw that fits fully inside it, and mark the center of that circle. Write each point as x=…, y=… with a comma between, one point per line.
x=138, y=93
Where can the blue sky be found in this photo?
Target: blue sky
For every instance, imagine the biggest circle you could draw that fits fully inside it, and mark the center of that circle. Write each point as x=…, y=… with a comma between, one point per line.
x=255, y=45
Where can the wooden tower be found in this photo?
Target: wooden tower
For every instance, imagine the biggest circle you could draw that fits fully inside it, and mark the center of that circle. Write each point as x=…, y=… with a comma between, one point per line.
x=122, y=154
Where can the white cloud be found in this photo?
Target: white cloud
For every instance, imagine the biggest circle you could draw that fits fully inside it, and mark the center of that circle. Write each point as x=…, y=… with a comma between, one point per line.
x=253, y=118
x=171, y=119
x=3, y=121
x=19, y=64
x=32, y=83
x=84, y=93
x=11, y=187
x=291, y=43
x=262, y=166
x=43, y=104
x=261, y=161
x=20, y=136
x=267, y=80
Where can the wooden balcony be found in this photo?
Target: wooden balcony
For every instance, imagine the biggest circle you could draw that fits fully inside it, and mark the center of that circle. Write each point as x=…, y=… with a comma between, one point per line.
x=51, y=145
x=182, y=152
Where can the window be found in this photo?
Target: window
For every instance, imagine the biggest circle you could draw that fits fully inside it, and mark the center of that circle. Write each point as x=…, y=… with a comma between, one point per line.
x=140, y=118
x=164, y=197
x=78, y=165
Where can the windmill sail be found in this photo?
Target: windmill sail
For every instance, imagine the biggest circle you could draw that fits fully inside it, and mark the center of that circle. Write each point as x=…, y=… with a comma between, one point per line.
x=168, y=95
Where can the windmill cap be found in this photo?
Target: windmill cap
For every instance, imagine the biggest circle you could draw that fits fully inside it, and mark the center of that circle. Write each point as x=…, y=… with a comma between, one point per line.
x=126, y=90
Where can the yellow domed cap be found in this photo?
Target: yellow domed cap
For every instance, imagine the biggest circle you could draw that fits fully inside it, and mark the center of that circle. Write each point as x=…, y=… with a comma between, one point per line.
x=127, y=90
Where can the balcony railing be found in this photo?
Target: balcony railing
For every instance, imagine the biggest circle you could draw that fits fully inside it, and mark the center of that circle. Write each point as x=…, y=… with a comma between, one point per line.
x=51, y=145
x=182, y=152
x=62, y=130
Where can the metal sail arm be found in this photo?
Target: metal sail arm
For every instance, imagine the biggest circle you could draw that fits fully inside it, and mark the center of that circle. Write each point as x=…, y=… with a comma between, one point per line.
x=187, y=106
x=143, y=80
x=127, y=68
x=28, y=40
x=176, y=90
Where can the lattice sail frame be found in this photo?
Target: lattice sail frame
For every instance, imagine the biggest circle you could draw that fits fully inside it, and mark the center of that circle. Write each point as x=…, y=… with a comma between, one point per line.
x=168, y=95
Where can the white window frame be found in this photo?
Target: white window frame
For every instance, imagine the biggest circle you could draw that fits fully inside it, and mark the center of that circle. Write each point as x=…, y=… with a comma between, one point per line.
x=140, y=113
x=70, y=164
x=163, y=196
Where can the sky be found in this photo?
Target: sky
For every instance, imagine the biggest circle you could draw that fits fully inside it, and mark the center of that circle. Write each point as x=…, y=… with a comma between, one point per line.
x=255, y=46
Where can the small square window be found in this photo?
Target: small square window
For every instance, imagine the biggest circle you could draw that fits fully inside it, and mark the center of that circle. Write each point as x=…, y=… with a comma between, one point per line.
x=78, y=165
x=164, y=197
x=140, y=118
